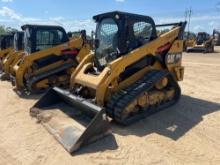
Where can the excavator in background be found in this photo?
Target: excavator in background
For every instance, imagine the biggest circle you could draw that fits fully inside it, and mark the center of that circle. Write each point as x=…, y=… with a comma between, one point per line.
x=13, y=56
x=132, y=74
x=6, y=45
x=49, y=58
x=204, y=43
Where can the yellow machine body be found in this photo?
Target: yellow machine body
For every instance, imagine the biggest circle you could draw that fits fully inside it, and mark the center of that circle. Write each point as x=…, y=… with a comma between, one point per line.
x=3, y=54
x=24, y=66
x=107, y=82
x=132, y=74
x=190, y=43
x=203, y=43
x=14, y=55
x=10, y=60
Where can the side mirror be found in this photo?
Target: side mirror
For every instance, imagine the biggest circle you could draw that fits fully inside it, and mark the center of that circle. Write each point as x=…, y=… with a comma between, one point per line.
x=97, y=43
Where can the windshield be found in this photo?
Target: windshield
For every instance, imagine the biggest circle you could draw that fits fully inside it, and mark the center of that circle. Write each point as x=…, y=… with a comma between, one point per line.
x=48, y=38
x=201, y=37
x=107, y=35
x=27, y=42
x=15, y=42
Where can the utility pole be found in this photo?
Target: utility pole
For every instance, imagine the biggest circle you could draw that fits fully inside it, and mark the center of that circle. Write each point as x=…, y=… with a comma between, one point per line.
x=188, y=14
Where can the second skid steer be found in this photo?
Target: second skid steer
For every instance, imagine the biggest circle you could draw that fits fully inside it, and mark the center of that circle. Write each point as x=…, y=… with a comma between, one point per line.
x=13, y=56
x=132, y=74
x=6, y=45
x=50, y=57
x=204, y=43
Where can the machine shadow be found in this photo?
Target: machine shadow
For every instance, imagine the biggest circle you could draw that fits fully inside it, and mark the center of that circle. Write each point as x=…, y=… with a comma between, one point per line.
x=200, y=51
x=172, y=122
x=107, y=143
x=35, y=96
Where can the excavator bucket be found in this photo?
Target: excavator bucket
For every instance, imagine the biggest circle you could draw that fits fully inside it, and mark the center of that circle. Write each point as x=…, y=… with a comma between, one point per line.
x=73, y=121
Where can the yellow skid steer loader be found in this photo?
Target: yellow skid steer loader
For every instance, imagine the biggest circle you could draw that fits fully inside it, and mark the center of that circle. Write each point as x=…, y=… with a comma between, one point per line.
x=6, y=45
x=50, y=57
x=204, y=43
x=14, y=55
x=132, y=74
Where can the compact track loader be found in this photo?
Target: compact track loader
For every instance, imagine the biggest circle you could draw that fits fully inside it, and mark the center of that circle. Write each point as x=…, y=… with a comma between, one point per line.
x=49, y=59
x=6, y=45
x=204, y=43
x=13, y=56
x=132, y=74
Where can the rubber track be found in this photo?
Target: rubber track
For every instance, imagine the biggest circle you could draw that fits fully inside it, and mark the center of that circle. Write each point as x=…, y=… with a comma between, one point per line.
x=121, y=99
x=119, y=95
x=35, y=79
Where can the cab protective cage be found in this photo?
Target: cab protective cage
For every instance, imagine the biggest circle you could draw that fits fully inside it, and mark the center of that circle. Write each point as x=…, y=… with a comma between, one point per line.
x=6, y=40
x=31, y=36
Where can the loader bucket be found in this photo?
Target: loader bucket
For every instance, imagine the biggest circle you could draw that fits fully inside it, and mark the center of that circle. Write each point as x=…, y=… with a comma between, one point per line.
x=73, y=121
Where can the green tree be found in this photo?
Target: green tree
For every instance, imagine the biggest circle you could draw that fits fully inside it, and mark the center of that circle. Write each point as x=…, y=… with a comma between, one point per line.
x=2, y=30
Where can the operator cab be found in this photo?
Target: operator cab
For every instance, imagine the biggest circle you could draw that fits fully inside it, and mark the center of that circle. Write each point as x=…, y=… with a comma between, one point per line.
x=40, y=37
x=18, y=41
x=118, y=33
x=6, y=40
x=202, y=37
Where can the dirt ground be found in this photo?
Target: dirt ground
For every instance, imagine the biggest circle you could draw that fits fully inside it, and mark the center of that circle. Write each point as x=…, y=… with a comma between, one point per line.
x=187, y=133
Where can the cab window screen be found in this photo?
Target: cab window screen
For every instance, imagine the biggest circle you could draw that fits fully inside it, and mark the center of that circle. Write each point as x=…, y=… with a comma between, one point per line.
x=108, y=39
x=46, y=39
x=142, y=30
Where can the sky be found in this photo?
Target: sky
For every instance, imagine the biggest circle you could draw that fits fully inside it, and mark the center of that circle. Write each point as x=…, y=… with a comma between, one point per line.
x=76, y=15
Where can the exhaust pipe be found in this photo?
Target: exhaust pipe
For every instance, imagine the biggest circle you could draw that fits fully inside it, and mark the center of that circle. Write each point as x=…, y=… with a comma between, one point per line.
x=73, y=121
